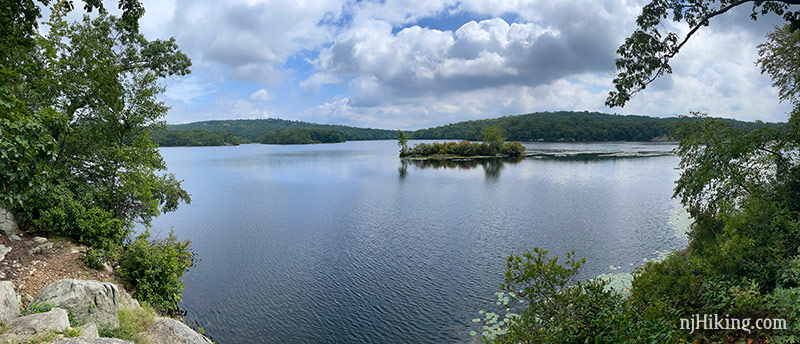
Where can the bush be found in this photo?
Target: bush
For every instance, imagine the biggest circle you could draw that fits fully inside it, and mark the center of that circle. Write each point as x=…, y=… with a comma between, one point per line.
x=154, y=270
x=562, y=310
x=512, y=149
x=132, y=323
x=62, y=211
x=464, y=148
x=94, y=258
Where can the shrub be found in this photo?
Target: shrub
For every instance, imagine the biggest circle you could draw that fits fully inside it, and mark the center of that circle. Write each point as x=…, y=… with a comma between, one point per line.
x=562, y=310
x=62, y=211
x=132, y=323
x=512, y=149
x=154, y=270
x=94, y=258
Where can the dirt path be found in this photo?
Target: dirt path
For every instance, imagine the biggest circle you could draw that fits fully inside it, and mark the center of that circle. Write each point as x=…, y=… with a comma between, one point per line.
x=30, y=272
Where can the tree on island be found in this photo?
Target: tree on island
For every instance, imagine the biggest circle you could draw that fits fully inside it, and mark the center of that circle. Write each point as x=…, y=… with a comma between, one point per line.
x=741, y=188
x=402, y=142
x=493, y=136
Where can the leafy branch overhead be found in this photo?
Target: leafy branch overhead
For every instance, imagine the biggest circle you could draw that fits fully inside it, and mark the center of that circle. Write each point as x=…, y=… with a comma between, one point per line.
x=645, y=56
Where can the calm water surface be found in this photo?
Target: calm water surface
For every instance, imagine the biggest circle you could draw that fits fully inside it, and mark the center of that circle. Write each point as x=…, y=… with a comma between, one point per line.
x=344, y=243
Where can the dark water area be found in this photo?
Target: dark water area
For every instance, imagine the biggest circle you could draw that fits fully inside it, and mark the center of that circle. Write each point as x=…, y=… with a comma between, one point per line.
x=345, y=243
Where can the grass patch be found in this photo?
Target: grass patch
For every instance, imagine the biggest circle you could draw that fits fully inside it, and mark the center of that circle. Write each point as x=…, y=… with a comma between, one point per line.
x=72, y=332
x=43, y=338
x=37, y=307
x=132, y=322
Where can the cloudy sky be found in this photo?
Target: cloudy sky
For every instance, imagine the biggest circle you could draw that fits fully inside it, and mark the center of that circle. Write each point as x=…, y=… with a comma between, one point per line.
x=418, y=63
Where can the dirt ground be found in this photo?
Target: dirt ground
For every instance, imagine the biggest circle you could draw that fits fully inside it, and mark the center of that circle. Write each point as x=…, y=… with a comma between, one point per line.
x=30, y=272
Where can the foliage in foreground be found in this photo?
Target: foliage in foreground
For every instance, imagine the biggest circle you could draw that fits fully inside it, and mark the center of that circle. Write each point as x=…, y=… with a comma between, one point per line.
x=77, y=109
x=154, y=270
x=742, y=188
x=79, y=105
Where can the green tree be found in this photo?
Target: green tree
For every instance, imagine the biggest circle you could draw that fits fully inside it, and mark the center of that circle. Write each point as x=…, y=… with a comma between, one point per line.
x=647, y=53
x=82, y=106
x=742, y=187
x=402, y=141
x=493, y=136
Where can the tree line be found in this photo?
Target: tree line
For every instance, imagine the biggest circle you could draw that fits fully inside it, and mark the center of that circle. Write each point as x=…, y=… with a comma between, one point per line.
x=302, y=136
x=541, y=126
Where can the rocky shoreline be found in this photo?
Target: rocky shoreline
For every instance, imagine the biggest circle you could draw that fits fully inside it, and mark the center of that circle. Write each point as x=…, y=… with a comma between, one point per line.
x=47, y=295
x=78, y=308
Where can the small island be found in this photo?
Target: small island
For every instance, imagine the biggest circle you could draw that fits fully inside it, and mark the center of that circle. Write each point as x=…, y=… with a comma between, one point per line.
x=302, y=136
x=493, y=146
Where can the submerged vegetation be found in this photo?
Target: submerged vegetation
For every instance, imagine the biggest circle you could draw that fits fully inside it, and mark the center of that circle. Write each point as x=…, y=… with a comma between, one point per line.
x=742, y=189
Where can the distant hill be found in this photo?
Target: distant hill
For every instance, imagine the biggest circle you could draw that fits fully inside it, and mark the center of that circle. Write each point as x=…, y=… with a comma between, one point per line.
x=198, y=137
x=254, y=129
x=301, y=136
x=566, y=126
x=540, y=126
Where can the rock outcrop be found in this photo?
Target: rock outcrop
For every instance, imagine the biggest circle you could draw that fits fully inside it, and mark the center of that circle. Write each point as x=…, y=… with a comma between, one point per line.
x=91, y=341
x=88, y=331
x=7, y=224
x=88, y=301
x=171, y=331
x=4, y=251
x=9, y=302
x=22, y=329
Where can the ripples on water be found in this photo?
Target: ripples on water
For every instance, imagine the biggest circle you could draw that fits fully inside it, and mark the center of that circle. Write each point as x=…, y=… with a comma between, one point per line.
x=344, y=243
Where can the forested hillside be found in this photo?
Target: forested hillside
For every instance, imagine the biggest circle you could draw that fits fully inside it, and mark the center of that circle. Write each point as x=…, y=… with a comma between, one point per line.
x=254, y=129
x=301, y=136
x=540, y=126
x=172, y=138
x=566, y=126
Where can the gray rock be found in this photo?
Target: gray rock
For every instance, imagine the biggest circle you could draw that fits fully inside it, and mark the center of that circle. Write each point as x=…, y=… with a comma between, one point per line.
x=41, y=249
x=88, y=331
x=3, y=251
x=14, y=237
x=91, y=341
x=39, y=240
x=171, y=331
x=9, y=302
x=126, y=300
x=89, y=301
x=9, y=227
x=55, y=320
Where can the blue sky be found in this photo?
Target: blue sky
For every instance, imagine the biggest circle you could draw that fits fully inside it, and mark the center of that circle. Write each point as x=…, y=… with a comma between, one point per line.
x=413, y=64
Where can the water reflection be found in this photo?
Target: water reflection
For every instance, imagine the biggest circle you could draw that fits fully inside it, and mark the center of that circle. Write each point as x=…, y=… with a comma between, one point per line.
x=492, y=167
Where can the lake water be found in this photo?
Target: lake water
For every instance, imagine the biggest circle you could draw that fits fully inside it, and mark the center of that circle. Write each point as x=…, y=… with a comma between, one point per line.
x=344, y=243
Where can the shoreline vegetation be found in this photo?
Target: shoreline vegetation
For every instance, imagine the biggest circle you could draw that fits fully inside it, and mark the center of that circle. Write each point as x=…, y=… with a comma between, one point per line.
x=563, y=126
x=493, y=146
x=302, y=136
